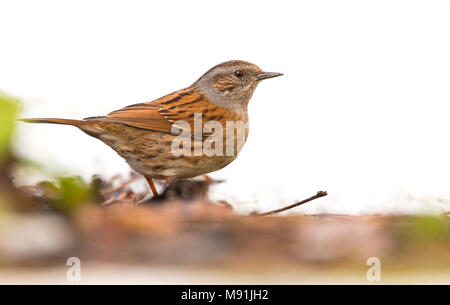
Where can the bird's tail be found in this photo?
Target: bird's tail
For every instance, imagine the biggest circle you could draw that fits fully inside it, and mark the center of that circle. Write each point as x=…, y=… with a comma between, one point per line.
x=77, y=123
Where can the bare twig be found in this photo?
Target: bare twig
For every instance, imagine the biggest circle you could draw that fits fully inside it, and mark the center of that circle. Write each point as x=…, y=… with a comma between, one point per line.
x=318, y=195
x=121, y=186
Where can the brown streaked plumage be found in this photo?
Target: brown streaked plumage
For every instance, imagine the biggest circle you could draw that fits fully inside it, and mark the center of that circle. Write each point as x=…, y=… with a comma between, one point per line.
x=142, y=133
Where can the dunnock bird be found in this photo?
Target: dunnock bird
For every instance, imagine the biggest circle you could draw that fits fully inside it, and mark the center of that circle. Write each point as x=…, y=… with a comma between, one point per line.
x=144, y=134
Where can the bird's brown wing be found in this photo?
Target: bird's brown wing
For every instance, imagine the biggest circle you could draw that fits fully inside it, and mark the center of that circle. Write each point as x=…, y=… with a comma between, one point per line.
x=159, y=115
x=144, y=116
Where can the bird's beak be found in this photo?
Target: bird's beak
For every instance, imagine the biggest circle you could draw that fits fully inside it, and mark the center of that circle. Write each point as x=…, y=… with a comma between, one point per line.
x=265, y=75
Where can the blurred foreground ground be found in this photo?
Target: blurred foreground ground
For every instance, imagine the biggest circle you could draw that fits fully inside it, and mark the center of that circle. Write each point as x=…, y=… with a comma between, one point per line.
x=185, y=238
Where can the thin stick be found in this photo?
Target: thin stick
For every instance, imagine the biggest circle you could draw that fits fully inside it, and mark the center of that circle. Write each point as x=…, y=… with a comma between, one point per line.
x=121, y=186
x=318, y=195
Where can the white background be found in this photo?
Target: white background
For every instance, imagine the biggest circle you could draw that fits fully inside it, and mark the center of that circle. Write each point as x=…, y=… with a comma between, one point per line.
x=362, y=110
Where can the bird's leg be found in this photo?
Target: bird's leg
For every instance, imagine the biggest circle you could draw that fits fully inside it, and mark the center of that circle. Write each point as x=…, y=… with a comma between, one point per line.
x=208, y=178
x=211, y=180
x=152, y=186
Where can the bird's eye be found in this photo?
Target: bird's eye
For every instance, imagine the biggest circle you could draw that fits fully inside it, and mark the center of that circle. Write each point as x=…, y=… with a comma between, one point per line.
x=238, y=73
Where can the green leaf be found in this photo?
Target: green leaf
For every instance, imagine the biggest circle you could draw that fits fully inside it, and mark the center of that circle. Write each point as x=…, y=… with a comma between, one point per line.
x=72, y=193
x=8, y=115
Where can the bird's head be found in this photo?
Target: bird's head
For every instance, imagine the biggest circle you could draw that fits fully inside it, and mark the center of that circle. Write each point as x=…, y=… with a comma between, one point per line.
x=232, y=83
